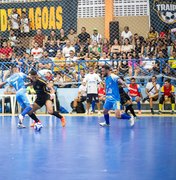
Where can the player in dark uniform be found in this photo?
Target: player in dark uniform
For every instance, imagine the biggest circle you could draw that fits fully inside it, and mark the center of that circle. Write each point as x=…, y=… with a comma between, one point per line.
x=45, y=94
x=125, y=100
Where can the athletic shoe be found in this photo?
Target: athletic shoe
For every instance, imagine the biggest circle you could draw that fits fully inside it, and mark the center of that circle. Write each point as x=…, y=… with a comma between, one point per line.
x=152, y=111
x=21, y=118
x=132, y=120
x=104, y=124
x=33, y=124
x=38, y=126
x=20, y=126
x=63, y=122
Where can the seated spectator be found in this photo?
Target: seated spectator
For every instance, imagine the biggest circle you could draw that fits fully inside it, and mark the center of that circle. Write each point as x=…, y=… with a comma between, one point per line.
x=173, y=34
x=62, y=37
x=126, y=34
x=72, y=35
x=123, y=64
x=59, y=62
x=172, y=63
x=95, y=49
x=45, y=62
x=39, y=38
x=152, y=91
x=152, y=34
x=126, y=47
x=104, y=59
x=115, y=62
x=135, y=94
x=36, y=52
x=148, y=63
x=76, y=45
x=116, y=47
x=66, y=50
x=168, y=95
x=91, y=60
x=82, y=96
x=49, y=76
x=5, y=52
x=13, y=39
x=71, y=61
x=96, y=36
x=151, y=47
x=173, y=47
x=52, y=37
x=106, y=46
x=52, y=49
x=58, y=79
x=83, y=36
x=133, y=65
x=139, y=48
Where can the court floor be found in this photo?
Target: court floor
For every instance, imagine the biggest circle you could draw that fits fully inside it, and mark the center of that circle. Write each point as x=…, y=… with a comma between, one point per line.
x=84, y=151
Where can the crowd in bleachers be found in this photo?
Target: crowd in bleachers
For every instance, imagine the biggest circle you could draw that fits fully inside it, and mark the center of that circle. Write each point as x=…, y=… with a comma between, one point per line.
x=65, y=57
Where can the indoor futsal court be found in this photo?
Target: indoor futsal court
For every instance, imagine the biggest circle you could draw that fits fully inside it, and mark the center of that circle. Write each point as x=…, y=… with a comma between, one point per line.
x=83, y=150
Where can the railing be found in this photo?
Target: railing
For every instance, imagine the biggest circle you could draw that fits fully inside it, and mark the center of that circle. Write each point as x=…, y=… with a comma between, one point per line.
x=133, y=69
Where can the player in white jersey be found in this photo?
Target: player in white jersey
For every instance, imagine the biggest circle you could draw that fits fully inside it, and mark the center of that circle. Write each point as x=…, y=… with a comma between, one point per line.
x=92, y=80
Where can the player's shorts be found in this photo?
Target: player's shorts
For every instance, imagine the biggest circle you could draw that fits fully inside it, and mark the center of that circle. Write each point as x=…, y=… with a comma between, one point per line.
x=22, y=98
x=92, y=97
x=133, y=98
x=83, y=98
x=41, y=99
x=111, y=104
x=124, y=98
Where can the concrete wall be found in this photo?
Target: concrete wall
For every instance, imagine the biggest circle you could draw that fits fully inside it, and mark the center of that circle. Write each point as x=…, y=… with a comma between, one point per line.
x=137, y=24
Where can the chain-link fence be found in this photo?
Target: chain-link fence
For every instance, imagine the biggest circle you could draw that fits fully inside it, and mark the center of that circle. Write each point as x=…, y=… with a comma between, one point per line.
x=65, y=37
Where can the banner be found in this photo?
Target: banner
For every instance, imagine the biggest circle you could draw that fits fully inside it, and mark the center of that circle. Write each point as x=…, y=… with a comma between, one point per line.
x=163, y=14
x=46, y=15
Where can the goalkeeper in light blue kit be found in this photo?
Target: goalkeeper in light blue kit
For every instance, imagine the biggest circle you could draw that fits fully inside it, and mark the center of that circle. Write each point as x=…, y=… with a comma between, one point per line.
x=17, y=80
x=113, y=97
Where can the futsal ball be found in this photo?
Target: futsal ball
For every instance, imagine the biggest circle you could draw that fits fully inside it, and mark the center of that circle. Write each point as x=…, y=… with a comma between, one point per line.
x=168, y=16
x=38, y=126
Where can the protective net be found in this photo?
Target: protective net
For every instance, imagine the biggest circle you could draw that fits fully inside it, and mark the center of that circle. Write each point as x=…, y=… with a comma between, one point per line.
x=61, y=39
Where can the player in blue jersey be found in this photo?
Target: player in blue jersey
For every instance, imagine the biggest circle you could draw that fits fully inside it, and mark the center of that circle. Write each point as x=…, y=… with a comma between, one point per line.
x=17, y=80
x=113, y=99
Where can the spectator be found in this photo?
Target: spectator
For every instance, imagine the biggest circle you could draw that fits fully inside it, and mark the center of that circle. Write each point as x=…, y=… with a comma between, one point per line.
x=168, y=94
x=52, y=49
x=152, y=34
x=83, y=36
x=106, y=46
x=139, y=47
x=59, y=62
x=126, y=47
x=116, y=48
x=52, y=37
x=24, y=25
x=101, y=92
x=172, y=62
x=123, y=64
x=6, y=52
x=48, y=76
x=96, y=36
x=14, y=22
x=72, y=36
x=58, y=80
x=115, y=61
x=39, y=38
x=66, y=50
x=173, y=47
x=45, y=62
x=13, y=39
x=126, y=34
x=71, y=61
x=36, y=52
x=148, y=63
x=134, y=92
x=152, y=91
x=62, y=37
x=95, y=49
x=91, y=60
x=104, y=59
